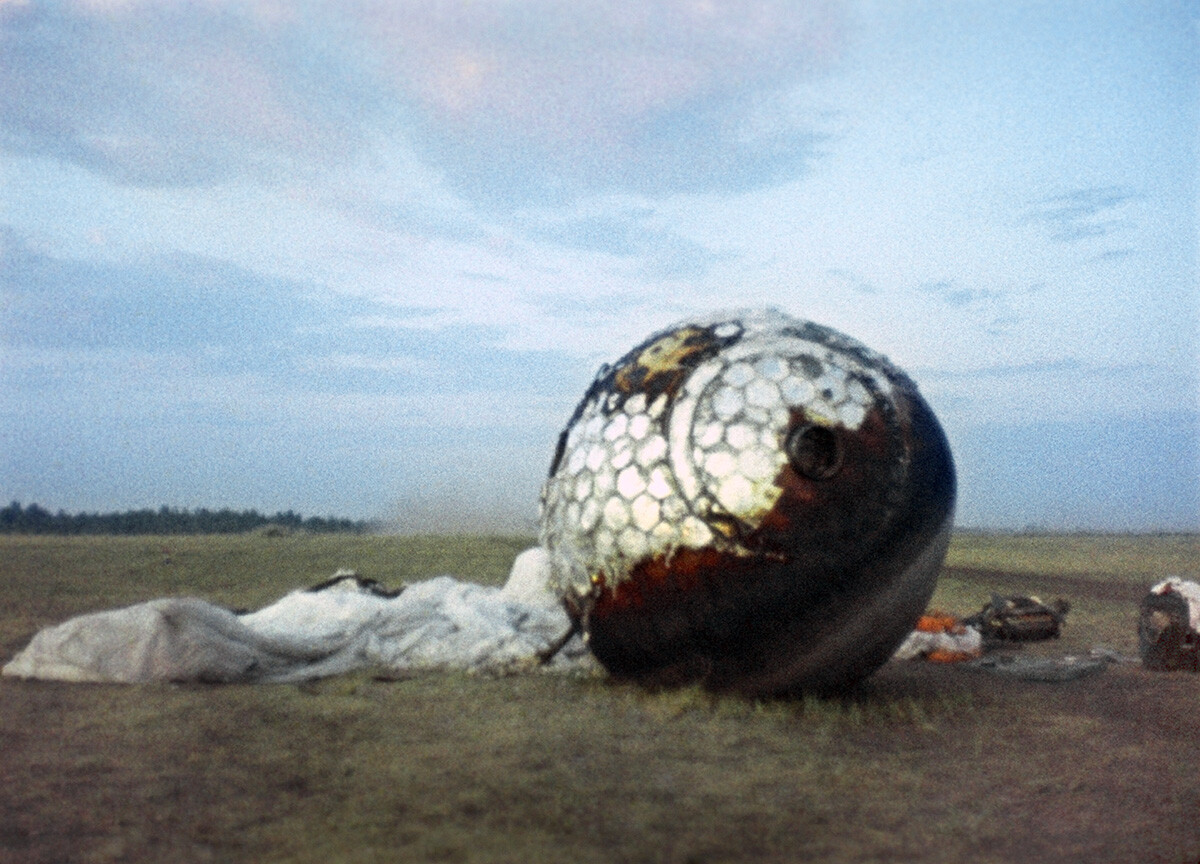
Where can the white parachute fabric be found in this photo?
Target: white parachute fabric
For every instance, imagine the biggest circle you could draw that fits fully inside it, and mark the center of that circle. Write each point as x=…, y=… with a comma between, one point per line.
x=441, y=623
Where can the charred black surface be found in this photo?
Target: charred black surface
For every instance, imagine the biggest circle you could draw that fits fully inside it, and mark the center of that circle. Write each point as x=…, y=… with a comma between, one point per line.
x=719, y=617
x=809, y=585
x=701, y=615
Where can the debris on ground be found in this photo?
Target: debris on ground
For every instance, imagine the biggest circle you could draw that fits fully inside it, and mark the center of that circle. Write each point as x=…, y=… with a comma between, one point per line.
x=1168, y=633
x=940, y=637
x=1169, y=626
x=1111, y=655
x=1019, y=619
x=1050, y=669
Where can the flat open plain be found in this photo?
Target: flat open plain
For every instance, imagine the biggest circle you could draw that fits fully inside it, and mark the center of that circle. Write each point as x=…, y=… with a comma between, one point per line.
x=921, y=763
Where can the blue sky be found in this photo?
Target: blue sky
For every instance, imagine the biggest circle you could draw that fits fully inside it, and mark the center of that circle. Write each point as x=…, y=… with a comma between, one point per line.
x=362, y=258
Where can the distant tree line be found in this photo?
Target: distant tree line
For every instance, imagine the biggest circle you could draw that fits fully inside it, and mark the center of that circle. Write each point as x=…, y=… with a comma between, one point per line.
x=34, y=519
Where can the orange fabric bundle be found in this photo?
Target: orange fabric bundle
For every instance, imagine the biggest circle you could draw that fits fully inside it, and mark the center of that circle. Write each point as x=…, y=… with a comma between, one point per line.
x=939, y=655
x=936, y=621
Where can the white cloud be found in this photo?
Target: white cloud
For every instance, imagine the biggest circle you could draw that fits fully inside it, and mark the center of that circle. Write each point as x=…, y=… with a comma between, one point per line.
x=493, y=198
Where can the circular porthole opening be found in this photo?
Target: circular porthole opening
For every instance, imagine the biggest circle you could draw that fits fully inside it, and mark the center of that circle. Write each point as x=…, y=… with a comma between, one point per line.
x=814, y=451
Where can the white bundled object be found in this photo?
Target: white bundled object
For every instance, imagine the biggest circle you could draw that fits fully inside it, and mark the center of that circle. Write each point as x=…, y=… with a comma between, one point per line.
x=919, y=644
x=1189, y=591
x=441, y=623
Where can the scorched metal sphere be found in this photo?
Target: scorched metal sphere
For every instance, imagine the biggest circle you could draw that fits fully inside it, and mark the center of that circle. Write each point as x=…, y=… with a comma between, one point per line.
x=750, y=501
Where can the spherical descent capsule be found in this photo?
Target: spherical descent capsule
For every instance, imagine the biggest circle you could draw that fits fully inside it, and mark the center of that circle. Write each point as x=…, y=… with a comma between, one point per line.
x=751, y=501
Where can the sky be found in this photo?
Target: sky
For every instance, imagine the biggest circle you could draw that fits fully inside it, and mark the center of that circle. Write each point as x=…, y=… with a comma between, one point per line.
x=363, y=258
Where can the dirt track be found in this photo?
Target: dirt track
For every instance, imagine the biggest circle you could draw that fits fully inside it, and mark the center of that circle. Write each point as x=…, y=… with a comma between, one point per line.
x=1090, y=586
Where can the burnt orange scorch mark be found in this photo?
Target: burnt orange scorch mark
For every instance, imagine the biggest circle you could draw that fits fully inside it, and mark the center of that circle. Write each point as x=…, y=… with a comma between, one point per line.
x=656, y=581
x=662, y=366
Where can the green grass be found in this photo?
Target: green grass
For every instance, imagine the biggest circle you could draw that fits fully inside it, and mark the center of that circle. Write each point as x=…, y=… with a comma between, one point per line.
x=1140, y=558
x=1102, y=576
x=921, y=763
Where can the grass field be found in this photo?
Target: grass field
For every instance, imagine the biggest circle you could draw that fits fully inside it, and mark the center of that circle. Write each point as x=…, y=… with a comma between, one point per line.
x=921, y=763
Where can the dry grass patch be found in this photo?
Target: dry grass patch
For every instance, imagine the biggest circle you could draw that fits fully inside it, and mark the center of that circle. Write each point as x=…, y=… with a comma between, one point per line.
x=920, y=763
